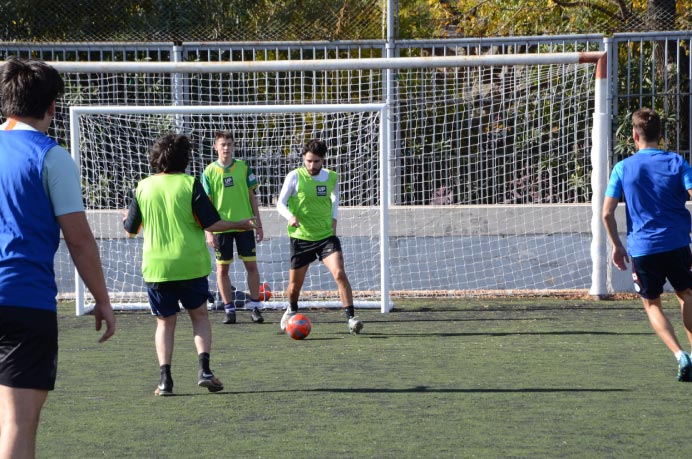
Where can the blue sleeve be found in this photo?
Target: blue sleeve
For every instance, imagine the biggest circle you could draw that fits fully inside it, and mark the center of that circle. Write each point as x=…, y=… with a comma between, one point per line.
x=61, y=182
x=687, y=175
x=614, y=189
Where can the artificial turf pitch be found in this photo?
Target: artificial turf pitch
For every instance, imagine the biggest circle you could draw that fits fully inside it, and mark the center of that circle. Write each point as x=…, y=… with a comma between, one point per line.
x=486, y=378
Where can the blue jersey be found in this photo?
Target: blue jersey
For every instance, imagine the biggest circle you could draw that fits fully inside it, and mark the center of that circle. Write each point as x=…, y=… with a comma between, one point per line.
x=654, y=184
x=29, y=233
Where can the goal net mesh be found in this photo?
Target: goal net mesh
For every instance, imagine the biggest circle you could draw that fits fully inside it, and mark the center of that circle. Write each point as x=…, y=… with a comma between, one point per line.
x=488, y=170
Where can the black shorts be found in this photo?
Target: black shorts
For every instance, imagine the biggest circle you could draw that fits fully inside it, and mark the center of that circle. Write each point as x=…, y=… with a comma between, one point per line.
x=165, y=298
x=28, y=348
x=245, y=244
x=650, y=272
x=305, y=252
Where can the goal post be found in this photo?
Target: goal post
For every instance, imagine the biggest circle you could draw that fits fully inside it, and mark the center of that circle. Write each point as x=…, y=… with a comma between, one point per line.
x=114, y=135
x=464, y=175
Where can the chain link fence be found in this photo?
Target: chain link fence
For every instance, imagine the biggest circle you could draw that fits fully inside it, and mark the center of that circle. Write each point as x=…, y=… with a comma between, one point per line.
x=302, y=20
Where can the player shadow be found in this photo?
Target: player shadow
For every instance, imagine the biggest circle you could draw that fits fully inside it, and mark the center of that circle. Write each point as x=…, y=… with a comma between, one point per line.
x=551, y=333
x=415, y=390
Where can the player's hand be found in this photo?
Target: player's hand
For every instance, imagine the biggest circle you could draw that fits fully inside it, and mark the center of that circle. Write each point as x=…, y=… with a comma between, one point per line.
x=259, y=234
x=293, y=221
x=620, y=258
x=248, y=224
x=104, y=312
x=211, y=240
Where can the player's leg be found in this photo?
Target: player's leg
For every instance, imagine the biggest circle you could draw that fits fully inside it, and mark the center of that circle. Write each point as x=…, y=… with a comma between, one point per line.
x=247, y=252
x=335, y=264
x=680, y=277
x=163, y=303
x=20, y=411
x=194, y=295
x=296, y=278
x=650, y=273
x=660, y=323
x=201, y=329
x=164, y=339
x=28, y=366
x=224, y=258
x=333, y=259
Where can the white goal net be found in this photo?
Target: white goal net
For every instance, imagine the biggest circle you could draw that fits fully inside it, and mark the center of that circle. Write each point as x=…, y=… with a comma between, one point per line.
x=460, y=176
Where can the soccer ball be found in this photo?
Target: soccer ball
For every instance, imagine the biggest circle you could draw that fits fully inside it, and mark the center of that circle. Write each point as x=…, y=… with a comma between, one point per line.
x=265, y=293
x=298, y=326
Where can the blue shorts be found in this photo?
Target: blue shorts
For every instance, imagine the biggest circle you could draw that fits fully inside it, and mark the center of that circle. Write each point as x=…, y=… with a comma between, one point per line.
x=650, y=272
x=165, y=298
x=305, y=252
x=244, y=242
x=28, y=348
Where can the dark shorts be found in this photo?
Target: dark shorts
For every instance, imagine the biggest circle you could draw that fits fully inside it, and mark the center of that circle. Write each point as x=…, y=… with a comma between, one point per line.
x=650, y=272
x=28, y=348
x=165, y=298
x=245, y=244
x=305, y=252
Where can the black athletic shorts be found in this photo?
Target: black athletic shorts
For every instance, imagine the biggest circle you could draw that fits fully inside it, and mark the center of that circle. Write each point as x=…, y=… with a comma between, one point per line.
x=245, y=244
x=28, y=348
x=165, y=298
x=305, y=252
x=650, y=272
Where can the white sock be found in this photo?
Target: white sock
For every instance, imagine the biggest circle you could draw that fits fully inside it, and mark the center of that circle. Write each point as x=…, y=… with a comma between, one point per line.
x=678, y=355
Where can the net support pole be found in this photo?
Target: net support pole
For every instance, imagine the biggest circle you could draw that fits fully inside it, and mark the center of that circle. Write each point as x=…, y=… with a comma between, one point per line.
x=599, y=180
x=76, y=157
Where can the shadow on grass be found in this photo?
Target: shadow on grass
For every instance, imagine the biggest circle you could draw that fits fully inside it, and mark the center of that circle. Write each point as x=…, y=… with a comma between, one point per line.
x=551, y=333
x=415, y=389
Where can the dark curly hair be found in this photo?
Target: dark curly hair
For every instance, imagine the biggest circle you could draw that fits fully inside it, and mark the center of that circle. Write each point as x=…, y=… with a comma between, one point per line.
x=171, y=153
x=316, y=147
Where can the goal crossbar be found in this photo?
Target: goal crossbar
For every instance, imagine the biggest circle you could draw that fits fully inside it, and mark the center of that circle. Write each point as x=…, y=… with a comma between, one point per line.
x=383, y=63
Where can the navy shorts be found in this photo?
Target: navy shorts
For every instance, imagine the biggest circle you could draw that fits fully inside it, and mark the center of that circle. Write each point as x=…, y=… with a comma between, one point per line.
x=650, y=272
x=165, y=298
x=28, y=348
x=305, y=252
x=245, y=244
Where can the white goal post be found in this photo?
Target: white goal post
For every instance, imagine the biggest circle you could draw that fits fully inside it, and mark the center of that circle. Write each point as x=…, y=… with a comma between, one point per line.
x=488, y=178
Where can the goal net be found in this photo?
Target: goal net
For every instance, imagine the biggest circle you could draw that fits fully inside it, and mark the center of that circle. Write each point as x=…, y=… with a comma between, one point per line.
x=460, y=176
x=112, y=148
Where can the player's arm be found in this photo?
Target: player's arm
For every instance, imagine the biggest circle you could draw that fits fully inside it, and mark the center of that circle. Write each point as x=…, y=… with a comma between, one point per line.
x=82, y=246
x=207, y=215
x=288, y=189
x=61, y=181
x=259, y=232
x=206, y=184
x=335, y=206
x=619, y=253
x=133, y=220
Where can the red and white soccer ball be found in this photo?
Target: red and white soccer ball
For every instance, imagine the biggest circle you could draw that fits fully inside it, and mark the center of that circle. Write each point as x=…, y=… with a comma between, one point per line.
x=298, y=326
x=265, y=293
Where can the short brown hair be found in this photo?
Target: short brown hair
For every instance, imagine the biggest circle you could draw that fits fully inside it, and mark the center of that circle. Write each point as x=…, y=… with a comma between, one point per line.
x=647, y=123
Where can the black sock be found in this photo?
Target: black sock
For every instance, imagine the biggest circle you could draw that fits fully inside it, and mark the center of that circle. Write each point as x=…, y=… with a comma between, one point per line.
x=204, y=362
x=294, y=307
x=350, y=311
x=166, y=374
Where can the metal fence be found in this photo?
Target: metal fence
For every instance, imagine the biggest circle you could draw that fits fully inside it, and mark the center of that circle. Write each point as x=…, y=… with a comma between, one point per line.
x=648, y=69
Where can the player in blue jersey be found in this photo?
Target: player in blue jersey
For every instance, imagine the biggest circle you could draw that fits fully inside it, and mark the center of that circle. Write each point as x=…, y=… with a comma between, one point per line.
x=41, y=196
x=655, y=185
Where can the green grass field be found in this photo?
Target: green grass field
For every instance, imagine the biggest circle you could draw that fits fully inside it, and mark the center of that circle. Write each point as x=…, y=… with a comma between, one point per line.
x=523, y=378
